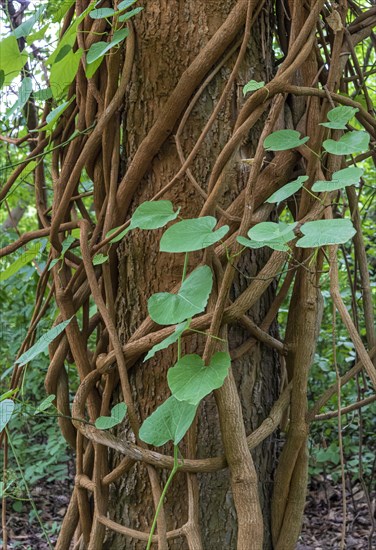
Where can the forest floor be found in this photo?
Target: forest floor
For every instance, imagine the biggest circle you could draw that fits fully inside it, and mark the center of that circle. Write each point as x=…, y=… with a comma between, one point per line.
x=322, y=524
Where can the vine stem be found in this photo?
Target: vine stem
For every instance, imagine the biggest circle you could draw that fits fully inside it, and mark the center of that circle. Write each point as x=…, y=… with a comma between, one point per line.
x=165, y=489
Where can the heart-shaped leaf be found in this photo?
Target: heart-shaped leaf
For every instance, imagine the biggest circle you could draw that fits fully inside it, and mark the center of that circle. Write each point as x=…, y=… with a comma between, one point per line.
x=43, y=343
x=169, y=309
x=339, y=117
x=169, y=422
x=6, y=411
x=349, y=143
x=252, y=86
x=190, y=380
x=271, y=234
x=193, y=234
x=326, y=232
x=98, y=49
x=340, y=179
x=118, y=413
x=287, y=190
x=282, y=140
x=169, y=340
x=153, y=214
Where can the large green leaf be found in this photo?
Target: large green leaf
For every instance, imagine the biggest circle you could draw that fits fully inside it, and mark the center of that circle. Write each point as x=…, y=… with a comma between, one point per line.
x=169, y=422
x=169, y=309
x=193, y=234
x=98, y=49
x=6, y=411
x=153, y=214
x=349, y=143
x=287, y=190
x=339, y=117
x=282, y=140
x=118, y=413
x=63, y=71
x=24, y=92
x=43, y=343
x=252, y=86
x=326, y=232
x=169, y=340
x=340, y=179
x=11, y=59
x=23, y=260
x=190, y=380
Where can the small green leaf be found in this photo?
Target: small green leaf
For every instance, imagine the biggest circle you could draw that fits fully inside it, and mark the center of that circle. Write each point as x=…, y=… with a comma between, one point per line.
x=271, y=234
x=169, y=309
x=43, y=343
x=66, y=244
x=252, y=86
x=153, y=214
x=101, y=13
x=129, y=14
x=118, y=413
x=27, y=26
x=23, y=260
x=326, y=232
x=126, y=4
x=54, y=115
x=339, y=117
x=46, y=403
x=24, y=92
x=120, y=236
x=169, y=422
x=340, y=179
x=287, y=190
x=2, y=78
x=193, y=234
x=349, y=143
x=11, y=59
x=169, y=340
x=98, y=49
x=282, y=140
x=6, y=411
x=190, y=380
x=99, y=259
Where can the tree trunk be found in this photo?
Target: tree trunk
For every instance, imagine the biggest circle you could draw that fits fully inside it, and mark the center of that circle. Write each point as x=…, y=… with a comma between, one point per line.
x=163, y=33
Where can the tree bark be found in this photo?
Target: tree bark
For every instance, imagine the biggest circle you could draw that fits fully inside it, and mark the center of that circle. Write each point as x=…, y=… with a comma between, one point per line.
x=163, y=33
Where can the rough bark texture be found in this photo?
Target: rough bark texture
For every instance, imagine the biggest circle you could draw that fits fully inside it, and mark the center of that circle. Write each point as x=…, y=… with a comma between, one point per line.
x=163, y=32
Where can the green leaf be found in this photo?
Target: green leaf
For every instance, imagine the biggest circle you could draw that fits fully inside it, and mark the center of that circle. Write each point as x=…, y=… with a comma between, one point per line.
x=98, y=49
x=325, y=232
x=38, y=35
x=339, y=117
x=349, y=143
x=282, y=140
x=43, y=343
x=169, y=309
x=43, y=94
x=153, y=214
x=6, y=411
x=8, y=393
x=169, y=340
x=11, y=59
x=129, y=14
x=46, y=403
x=287, y=190
x=99, y=259
x=93, y=67
x=126, y=4
x=54, y=115
x=252, y=86
x=190, y=380
x=118, y=413
x=2, y=78
x=340, y=179
x=24, y=92
x=101, y=13
x=66, y=244
x=64, y=70
x=27, y=26
x=169, y=422
x=23, y=260
x=271, y=234
x=193, y=234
